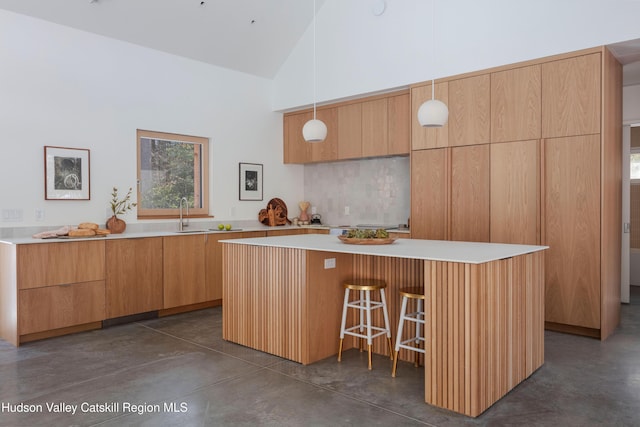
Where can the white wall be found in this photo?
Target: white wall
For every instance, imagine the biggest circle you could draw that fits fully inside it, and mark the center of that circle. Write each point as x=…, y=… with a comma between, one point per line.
x=359, y=53
x=631, y=104
x=64, y=87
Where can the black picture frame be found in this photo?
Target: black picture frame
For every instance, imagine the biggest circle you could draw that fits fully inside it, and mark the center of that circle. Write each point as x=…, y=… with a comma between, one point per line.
x=66, y=173
x=250, y=181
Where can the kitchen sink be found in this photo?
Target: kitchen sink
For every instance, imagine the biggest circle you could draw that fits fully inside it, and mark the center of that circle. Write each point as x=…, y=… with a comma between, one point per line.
x=192, y=231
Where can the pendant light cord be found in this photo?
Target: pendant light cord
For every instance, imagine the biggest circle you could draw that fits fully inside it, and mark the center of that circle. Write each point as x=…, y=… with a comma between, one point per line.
x=433, y=49
x=314, y=60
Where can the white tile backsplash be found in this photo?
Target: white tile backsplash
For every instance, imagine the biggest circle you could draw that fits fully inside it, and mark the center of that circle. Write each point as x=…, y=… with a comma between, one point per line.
x=376, y=191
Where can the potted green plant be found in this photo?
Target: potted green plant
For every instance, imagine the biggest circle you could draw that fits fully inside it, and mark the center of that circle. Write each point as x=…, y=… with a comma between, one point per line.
x=119, y=207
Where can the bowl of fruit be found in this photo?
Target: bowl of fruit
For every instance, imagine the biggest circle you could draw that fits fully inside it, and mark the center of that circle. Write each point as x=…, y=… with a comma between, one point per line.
x=359, y=236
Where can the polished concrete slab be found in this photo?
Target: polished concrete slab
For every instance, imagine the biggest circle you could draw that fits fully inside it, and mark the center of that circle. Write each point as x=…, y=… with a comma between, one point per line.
x=178, y=371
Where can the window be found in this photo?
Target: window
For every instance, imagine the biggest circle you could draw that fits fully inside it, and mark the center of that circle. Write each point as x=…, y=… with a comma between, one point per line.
x=170, y=167
x=635, y=165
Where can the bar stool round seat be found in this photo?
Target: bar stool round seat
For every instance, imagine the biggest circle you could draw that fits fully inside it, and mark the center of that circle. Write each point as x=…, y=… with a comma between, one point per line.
x=365, y=306
x=417, y=317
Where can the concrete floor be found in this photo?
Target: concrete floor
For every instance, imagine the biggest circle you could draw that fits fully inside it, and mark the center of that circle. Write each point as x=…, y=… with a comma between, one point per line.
x=183, y=359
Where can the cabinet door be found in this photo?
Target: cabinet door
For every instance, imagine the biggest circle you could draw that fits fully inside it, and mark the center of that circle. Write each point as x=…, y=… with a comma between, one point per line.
x=375, y=128
x=515, y=194
x=469, y=111
x=421, y=137
x=572, y=230
x=134, y=276
x=399, y=112
x=48, y=264
x=470, y=193
x=213, y=264
x=54, y=307
x=429, y=200
x=326, y=150
x=350, y=131
x=184, y=280
x=296, y=149
x=515, y=104
x=571, y=96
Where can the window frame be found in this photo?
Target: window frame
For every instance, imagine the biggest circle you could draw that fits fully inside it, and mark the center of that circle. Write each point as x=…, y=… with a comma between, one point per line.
x=203, y=170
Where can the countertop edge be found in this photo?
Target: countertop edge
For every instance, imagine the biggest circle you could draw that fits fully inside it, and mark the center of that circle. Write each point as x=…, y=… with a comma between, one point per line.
x=430, y=250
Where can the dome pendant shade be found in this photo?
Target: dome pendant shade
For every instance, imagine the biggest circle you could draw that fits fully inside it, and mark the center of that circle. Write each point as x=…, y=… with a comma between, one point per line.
x=433, y=114
x=314, y=131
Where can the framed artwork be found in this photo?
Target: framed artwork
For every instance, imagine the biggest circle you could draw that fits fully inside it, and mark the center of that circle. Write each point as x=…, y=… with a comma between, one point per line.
x=250, y=181
x=66, y=173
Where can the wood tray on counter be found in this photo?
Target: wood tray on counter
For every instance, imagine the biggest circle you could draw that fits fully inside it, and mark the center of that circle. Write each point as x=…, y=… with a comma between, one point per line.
x=373, y=241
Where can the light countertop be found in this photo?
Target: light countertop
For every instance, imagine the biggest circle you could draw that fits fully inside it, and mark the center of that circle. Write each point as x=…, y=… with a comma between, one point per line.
x=195, y=229
x=434, y=250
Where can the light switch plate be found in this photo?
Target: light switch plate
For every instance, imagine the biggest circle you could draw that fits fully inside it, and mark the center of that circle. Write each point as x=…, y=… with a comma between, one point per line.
x=329, y=263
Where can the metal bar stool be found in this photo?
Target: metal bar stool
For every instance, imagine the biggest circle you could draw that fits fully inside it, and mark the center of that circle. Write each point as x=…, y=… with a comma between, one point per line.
x=417, y=317
x=365, y=306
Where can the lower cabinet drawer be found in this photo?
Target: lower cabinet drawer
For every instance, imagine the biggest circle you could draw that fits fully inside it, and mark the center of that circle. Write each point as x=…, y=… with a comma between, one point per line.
x=54, y=307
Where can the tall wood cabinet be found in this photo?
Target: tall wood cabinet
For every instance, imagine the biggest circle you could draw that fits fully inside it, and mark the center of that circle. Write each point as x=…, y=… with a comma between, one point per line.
x=515, y=192
x=469, y=110
x=516, y=104
x=470, y=173
x=429, y=194
x=532, y=154
x=572, y=230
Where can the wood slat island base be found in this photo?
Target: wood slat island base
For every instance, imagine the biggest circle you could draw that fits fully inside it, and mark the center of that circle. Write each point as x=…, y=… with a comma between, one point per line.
x=485, y=319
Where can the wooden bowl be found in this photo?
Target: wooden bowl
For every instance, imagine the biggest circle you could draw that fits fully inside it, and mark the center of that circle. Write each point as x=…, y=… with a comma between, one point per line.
x=374, y=241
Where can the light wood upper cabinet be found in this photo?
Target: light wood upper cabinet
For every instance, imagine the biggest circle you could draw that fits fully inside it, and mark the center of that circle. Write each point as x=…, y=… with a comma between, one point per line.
x=421, y=137
x=571, y=100
x=429, y=194
x=375, y=128
x=515, y=192
x=134, y=276
x=470, y=167
x=469, y=107
x=516, y=104
x=572, y=230
x=399, y=128
x=49, y=264
x=296, y=149
x=184, y=270
x=326, y=150
x=350, y=131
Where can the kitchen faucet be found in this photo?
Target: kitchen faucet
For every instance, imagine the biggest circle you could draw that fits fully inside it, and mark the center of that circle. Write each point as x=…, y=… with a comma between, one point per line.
x=181, y=223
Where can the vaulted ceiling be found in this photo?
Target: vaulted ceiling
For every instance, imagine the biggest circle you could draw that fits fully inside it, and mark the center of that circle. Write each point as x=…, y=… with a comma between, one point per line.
x=251, y=36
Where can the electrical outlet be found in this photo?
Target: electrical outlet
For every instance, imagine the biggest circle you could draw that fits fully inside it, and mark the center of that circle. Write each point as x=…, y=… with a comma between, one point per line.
x=329, y=263
x=314, y=210
x=39, y=214
x=346, y=210
x=12, y=215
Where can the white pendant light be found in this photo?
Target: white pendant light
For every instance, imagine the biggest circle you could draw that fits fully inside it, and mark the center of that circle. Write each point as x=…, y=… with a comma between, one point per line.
x=433, y=113
x=314, y=130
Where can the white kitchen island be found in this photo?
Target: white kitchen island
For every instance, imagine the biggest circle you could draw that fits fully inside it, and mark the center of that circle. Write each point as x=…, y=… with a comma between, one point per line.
x=484, y=306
